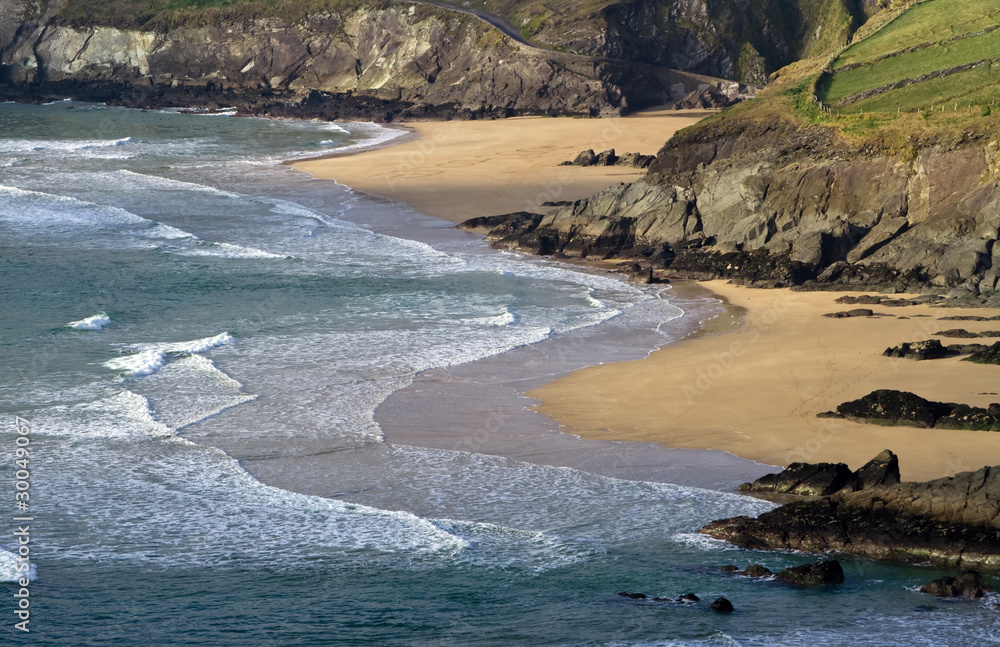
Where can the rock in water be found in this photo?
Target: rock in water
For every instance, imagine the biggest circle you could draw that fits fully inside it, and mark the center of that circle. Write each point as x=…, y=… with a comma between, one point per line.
x=969, y=584
x=952, y=521
x=633, y=596
x=688, y=597
x=722, y=605
x=757, y=570
x=819, y=574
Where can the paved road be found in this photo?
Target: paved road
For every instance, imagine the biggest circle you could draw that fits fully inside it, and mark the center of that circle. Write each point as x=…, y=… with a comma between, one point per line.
x=499, y=22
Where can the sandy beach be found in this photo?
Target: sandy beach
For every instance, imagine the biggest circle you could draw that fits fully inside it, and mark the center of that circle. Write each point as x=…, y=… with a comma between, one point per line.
x=463, y=169
x=756, y=389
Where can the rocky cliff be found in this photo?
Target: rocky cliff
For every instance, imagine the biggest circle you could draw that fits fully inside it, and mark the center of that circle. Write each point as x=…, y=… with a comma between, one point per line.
x=379, y=61
x=774, y=202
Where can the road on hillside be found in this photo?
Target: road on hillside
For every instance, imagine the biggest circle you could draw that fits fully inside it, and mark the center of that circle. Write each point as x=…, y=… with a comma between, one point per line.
x=499, y=22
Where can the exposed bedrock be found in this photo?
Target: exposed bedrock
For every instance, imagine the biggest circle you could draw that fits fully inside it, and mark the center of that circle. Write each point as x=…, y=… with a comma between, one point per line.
x=770, y=203
x=952, y=521
x=378, y=62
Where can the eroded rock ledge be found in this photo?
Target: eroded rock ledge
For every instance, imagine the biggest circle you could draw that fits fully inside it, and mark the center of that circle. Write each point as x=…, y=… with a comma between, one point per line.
x=952, y=521
x=769, y=203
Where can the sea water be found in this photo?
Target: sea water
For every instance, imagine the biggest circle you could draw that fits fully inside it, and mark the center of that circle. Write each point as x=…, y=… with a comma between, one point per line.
x=188, y=324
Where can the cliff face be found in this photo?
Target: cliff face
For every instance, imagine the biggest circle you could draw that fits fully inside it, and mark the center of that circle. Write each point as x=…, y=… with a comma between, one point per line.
x=775, y=203
x=401, y=60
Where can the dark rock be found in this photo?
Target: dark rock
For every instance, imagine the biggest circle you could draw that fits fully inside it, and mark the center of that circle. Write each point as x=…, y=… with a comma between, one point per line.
x=864, y=299
x=881, y=470
x=730, y=568
x=819, y=574
x=964, y=318
x=635, y=160
x=756, y=570
x=688, y=597
x=952, y=521
x=633, y=596
x=704, y=99
x=585, y=158
x=858, y=312
x=957, y=332
x=966, y=349
x=806, y=479
x=919, y=350
x=557, y=203
x=890, y=407
x=722, y=605
x=969, y=584
x=986, y=355
x=606, y=158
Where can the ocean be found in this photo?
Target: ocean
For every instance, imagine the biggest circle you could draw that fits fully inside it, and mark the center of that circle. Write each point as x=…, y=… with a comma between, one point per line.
x=263, y=409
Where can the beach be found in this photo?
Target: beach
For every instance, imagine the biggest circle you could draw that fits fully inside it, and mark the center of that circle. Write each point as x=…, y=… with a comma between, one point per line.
x=753, y=391
x=458, y=170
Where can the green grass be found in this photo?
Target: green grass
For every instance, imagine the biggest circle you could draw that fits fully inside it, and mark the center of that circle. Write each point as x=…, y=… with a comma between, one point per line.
x=976, y=87
x=930, y=22
x=913, y=64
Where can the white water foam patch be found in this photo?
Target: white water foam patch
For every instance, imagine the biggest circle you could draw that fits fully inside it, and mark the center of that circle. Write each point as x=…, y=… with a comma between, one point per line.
x=120, y=414
x=138, y=364
x=150, y=181
x=179, y=505
x=372, y=134
x=65, y=146
x=10, y=570
x=190, y=390
x=146, y=359
x=93, y=322
x=226, y=250
x=64, y=214
x=506, y=318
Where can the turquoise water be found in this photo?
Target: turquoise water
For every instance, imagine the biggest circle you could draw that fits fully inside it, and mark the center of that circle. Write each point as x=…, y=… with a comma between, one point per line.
x=170, y=291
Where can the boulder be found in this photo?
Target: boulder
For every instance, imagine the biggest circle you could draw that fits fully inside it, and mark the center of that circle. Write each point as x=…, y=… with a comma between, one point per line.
x=585, y=158
x=919, y=350
x=730, y=568
x=688, y=597
x=757, y=570
x=970, y=584
x=889, y=407
x=805, y=479
x=606, y=158
x=881, y=470
x=821, y=573
x=633, y=596
x=960, y=333
x=988, y=355
x=722, y=605
x=857, y=312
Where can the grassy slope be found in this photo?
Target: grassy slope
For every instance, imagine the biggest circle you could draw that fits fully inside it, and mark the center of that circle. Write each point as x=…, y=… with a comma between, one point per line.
x=947, y=27
x=790, y=94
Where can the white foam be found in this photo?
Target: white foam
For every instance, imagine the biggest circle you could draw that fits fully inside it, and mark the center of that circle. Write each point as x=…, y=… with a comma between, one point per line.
x=226, y=250
x=149, y=180
x=150, y=358
x=506, y=318
x=9, y=571
x=138, y=364
x=93, y=322
x=62, y=146
x=193, y=346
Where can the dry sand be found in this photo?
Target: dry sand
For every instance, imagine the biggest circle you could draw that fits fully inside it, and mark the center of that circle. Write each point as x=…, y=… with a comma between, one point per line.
x=463, y=169
x=755, y=391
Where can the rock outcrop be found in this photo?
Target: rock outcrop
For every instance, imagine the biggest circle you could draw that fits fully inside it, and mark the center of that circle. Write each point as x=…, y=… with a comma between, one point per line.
x=822, y=479
x=969, y=584
x=771, y=203
x=920, y=350
x=384, y=61
x=824, y=573
x=889, y=407
x=988, y=355
x=610, y=158
x=953, y=521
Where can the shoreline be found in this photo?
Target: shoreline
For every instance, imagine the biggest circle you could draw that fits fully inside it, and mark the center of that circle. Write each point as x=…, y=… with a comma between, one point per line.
x=435, y=174
x=456, y=170
x=755, y=391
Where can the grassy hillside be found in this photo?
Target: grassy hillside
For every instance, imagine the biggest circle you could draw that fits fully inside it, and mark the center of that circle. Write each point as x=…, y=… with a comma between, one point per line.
x=937, y=54
x=932, y=36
